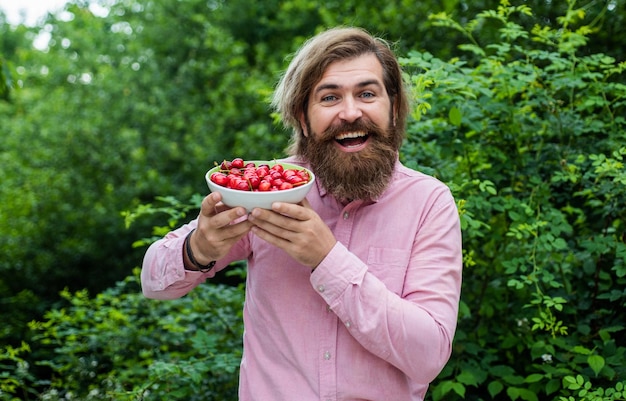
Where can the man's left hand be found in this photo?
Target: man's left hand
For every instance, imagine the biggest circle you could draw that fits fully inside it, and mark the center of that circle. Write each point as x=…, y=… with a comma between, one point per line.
x=295, y=228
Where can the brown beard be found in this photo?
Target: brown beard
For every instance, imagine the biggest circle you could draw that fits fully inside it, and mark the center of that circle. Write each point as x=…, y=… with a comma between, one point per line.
x=358, y=175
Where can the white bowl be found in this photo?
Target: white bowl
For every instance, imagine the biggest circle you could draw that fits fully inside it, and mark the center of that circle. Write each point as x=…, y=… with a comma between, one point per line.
x=252, y=199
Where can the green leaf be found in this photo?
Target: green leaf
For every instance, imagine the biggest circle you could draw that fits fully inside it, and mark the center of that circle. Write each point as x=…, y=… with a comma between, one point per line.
x=596, y=362
x=459, y=389
x=528, y=395
x=513, y=379
x=468, y=378
x=494, y=388
x=581, y=350
x=455, y=116
x=573, y=383
x=553, y=386
x=443, y=388
x=513, y=393
x=533, y=378
x=501, y=370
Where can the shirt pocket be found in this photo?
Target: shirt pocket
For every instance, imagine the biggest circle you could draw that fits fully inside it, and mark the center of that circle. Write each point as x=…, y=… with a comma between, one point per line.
x=389, y=265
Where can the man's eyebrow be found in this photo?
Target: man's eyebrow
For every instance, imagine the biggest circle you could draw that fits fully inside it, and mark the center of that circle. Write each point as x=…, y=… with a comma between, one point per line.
x=363, y=84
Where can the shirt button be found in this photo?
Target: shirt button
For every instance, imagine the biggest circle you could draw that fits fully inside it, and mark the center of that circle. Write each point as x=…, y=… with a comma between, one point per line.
x=346, y=215
x=321, y=288
x=327, y=355
x=348, y=324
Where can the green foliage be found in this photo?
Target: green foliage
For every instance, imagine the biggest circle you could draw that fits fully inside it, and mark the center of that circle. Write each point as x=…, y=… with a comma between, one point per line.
x=176, y=211
x=121, y=346
x=584, y=390
x=114, y=112
x=531, y=139
x=16, y=380
x=4, y=81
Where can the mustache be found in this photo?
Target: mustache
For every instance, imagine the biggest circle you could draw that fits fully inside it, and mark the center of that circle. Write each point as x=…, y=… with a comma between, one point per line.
x=356, y=126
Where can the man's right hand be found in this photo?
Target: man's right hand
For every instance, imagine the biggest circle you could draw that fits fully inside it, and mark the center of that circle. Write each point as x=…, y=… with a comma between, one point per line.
x=219, y=228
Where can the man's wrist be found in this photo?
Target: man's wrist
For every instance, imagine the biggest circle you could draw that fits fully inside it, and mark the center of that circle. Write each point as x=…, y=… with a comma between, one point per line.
x=190, y=261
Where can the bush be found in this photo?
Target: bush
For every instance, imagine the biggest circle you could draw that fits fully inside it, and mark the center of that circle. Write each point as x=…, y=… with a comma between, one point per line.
x=531, y=140
x=122, y=346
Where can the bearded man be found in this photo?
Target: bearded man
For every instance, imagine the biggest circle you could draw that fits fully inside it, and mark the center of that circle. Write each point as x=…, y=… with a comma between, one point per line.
x=353, y=293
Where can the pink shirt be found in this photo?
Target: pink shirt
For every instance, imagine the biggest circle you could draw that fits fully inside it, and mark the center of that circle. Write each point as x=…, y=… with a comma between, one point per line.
x=374, y=321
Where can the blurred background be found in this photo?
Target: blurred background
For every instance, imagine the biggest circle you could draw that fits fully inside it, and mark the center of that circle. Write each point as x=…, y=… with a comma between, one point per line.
x=111, y=111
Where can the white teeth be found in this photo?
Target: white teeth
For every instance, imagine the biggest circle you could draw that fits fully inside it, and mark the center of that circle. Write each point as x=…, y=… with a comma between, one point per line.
x=349, y=135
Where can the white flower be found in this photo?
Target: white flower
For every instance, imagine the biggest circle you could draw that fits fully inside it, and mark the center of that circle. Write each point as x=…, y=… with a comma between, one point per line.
x=546, y=357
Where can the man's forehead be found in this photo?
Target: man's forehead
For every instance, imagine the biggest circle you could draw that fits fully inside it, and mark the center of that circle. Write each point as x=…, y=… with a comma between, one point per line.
x=360, y=71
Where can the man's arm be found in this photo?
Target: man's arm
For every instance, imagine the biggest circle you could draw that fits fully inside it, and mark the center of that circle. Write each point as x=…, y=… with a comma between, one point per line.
x=167, y=272
x=412, y=331
x=163, y=273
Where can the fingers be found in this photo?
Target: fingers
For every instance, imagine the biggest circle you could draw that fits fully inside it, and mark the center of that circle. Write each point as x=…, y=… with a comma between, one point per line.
x=209, y=204
x=212, y=206
x=219, y=226
x=281, y=220
x=301, y=211
x=269, y=224
x=297, y=229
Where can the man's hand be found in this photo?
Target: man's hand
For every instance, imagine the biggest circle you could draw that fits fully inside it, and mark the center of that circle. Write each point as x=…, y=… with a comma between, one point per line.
x=296, y=229
x=219, y=228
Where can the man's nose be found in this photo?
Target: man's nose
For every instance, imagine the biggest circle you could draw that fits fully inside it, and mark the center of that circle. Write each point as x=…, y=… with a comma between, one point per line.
x=350, y=110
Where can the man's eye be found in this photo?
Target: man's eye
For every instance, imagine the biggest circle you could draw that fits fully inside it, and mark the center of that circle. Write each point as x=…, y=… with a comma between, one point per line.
x=367, y=94
x=329, y=98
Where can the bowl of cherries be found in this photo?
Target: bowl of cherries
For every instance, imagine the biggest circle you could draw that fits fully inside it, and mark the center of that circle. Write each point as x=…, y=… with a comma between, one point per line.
x=257, y=183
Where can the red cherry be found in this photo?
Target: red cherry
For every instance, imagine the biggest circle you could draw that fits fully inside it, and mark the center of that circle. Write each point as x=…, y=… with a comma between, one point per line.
x=295, y=179
x=289, y=173
x=219, y=179
x=232, y=180
x=237, y=162
x=254, y=181
x=262, y=171
x=242, y=185
x=264, y=186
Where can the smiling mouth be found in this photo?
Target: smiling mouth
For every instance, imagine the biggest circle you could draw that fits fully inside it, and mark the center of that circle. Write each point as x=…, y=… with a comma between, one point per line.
x=352, y=140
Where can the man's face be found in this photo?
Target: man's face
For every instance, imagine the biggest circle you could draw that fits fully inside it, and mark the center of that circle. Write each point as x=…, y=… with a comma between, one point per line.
x=348, y=129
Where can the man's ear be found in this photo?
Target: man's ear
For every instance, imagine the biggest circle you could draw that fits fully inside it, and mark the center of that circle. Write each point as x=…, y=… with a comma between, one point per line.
x=303, y=125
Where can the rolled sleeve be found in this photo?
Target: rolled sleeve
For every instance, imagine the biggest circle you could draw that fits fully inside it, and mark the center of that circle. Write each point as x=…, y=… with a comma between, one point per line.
x=339, y=270
x=163, y=273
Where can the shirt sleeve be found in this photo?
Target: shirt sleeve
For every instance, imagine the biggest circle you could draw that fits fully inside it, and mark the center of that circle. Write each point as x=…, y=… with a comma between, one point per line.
x=423, y=318
x=163, y=273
